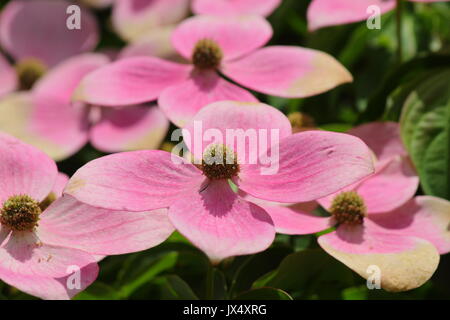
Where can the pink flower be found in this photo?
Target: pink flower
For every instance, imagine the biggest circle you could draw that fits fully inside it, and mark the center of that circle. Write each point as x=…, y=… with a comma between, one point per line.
x=148, y=25
x=46, y=118
x=44, y=238
x=211, y=44
x=202, y=205
x=101, y=4
x=234, y=7
x=138, y=19
x=23, y=27
x=378, y=221
x=47, y=73
x=324, y=13
x=27, y=262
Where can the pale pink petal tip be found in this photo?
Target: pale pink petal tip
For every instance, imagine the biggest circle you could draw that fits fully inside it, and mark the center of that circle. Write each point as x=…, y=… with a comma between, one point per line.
x=45, y=122
x=285, y=71
x=325, y=13
x=402, y=263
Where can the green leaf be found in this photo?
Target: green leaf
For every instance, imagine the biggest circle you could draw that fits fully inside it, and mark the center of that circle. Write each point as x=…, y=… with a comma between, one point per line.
x=264, y=294
x=138, y=270
x=396, y=99
x=425, y=130
x=399, y=76
x=297, y=269
x=355, y=293
x=98, y=291
x=311, y=274
x=336, y=127
x=177, y=237
x=252, y=267
x=143, y=270
x=175, y=288
x=264, y=279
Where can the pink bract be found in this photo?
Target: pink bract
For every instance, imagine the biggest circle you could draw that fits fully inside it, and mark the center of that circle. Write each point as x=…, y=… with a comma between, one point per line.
x=279, y=70
x=206, y=210
x=383, y=138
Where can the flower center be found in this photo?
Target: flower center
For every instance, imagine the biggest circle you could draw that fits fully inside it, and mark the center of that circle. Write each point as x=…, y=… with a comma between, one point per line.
x=29, y=71
x=348, y=208
x=207, y=54
x=219, y=162
x=20, y=213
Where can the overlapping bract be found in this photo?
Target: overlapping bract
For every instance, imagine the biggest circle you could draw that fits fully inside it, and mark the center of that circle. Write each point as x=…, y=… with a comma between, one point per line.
x=183, y=89
x=208, y=212
x=69, y=235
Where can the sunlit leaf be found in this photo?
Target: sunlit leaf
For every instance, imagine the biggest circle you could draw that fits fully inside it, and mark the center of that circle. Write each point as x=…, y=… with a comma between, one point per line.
x=173, y=287
x=425, y=129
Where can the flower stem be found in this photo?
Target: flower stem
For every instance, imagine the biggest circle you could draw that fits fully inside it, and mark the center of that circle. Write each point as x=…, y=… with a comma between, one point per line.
x=399, y=13
x=210, y=283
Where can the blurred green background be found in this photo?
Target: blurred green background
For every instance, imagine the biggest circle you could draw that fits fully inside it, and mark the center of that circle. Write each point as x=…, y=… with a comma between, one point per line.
x=294, y=266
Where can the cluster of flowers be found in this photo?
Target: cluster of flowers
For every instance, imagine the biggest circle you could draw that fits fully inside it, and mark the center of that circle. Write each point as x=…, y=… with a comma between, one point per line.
x=58, y=97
